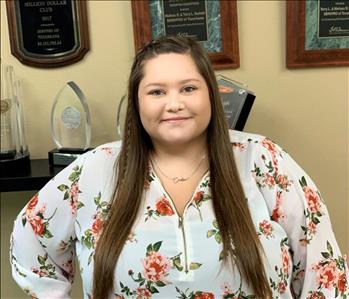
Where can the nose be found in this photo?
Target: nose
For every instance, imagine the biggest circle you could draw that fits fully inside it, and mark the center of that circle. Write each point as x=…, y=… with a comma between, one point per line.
x=174, y=102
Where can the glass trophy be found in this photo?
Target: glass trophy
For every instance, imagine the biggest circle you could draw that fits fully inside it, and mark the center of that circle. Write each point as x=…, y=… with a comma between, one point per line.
x=70, y=125
x=14, y=154
x=237, y=101
x=121, y=116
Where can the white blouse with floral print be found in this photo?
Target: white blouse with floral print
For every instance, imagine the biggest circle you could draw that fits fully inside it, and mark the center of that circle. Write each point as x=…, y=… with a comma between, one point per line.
x=168, y=256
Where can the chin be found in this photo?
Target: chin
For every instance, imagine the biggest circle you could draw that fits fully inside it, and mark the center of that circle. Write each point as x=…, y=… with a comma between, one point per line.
x=180, y=138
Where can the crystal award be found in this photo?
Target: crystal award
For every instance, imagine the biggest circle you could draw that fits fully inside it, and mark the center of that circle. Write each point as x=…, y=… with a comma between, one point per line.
x=70, y=125
x=237, y=101
x=121, y=116
x=14, y=154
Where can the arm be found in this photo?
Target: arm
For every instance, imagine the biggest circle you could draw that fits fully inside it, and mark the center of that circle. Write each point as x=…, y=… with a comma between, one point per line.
x=319, y=269
x=43, y=239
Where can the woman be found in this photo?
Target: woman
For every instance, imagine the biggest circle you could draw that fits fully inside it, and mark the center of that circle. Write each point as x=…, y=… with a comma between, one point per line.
x=196, y=211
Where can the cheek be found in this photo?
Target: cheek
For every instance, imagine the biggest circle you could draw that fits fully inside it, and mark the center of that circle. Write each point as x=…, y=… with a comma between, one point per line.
x=148, y=112
x=206, y=109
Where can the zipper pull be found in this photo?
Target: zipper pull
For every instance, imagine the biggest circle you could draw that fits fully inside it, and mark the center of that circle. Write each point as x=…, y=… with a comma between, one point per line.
x=180, y=222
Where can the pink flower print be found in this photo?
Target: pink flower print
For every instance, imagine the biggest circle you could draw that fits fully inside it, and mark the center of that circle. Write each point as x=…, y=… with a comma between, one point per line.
x=33, y=202
x=203, y=295
x=285, y=260
x=36, y=217
x=266, y=228
x=97, y=227
x=39, y=272
x=269, y=180
x=269, y=145
x=311, y=228
x=312, y=199
x=226, y=289
x=143, y=293
x=278, y=213
x=163, y=207
x=37, y=225
x=198, y=196
x=74, y=197
x=156, y=266
x=107, y=150
x=283, y=181
x=327, y=274
x=316, y=295
x=281, y=287
x=342, y=283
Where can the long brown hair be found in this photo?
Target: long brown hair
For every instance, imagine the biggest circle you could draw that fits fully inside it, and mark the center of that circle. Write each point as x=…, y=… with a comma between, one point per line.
x=229, y=201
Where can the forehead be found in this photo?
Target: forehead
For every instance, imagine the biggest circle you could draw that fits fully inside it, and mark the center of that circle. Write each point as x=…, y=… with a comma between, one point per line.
x=172, y=66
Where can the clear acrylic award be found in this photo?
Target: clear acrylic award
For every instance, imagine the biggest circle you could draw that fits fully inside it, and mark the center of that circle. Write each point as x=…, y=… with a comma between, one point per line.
x=237, y=101
x=121, y=116
x=14, y=154
x=70, y=125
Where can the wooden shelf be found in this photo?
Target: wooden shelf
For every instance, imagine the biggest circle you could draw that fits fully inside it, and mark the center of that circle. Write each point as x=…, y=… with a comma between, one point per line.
x=34, y=178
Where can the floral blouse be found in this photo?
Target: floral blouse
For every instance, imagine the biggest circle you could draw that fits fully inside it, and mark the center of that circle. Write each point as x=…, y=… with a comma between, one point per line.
x=169, y=256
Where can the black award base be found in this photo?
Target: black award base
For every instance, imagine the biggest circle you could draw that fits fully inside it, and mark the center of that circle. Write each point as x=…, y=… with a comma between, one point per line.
x=15, y=167
x=63, y=157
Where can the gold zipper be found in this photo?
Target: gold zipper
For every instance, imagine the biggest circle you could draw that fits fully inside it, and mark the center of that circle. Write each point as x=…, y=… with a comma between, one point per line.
x=180, y=225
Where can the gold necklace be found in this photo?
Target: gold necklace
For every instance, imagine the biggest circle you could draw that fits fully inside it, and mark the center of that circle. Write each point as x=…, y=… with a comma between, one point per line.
x=177, y=179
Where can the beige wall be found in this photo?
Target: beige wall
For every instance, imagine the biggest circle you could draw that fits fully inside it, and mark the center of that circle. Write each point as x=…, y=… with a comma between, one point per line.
x=305, y=111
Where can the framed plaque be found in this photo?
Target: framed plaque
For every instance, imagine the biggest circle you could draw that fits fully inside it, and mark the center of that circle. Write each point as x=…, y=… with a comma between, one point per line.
x=317, y=33
x=46, y=33
x=211, y=22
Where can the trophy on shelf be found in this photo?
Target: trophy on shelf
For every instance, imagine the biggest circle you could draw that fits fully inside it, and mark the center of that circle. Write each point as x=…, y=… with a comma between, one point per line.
x=121, y=116
x=70, y=125
x=237, y=101
x=14, y=154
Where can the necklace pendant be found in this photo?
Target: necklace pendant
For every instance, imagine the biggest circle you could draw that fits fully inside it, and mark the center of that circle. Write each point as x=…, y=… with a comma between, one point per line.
x=177, y=179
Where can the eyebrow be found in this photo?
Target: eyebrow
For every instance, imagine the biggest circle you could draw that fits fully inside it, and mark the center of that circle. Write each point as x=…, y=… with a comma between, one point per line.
x=180, y=82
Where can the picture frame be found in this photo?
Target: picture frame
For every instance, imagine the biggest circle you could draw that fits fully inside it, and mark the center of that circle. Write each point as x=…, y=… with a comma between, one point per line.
x=47, y=34
x=148, y=16
x=311, y=40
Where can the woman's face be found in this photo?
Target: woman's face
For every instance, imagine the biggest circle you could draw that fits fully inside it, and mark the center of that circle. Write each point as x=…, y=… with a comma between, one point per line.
x=174, y=103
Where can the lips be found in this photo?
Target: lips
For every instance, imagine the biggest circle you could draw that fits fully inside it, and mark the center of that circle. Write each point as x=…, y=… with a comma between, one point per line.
x=175, y=119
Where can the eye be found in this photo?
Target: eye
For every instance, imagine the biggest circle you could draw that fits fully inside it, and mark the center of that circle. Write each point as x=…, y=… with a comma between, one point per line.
x=156, y=92
x=189, y=89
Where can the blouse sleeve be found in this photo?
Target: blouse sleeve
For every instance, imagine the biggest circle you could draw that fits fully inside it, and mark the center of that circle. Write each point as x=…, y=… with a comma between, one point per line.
x=319, y=269
x=42, y=251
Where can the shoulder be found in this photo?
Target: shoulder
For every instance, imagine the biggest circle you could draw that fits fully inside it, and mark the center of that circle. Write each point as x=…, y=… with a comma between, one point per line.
x=255, y=150
x=111, y=148
x=244, y=137
x=103, y=155
x=251, y=141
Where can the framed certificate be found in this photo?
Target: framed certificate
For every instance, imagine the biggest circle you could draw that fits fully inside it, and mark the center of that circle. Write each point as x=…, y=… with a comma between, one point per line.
x=213, y=23
x=317, y=33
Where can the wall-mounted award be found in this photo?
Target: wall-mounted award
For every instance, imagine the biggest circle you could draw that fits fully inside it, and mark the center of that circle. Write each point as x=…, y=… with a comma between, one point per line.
x=45, y=33
x=70, y=125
